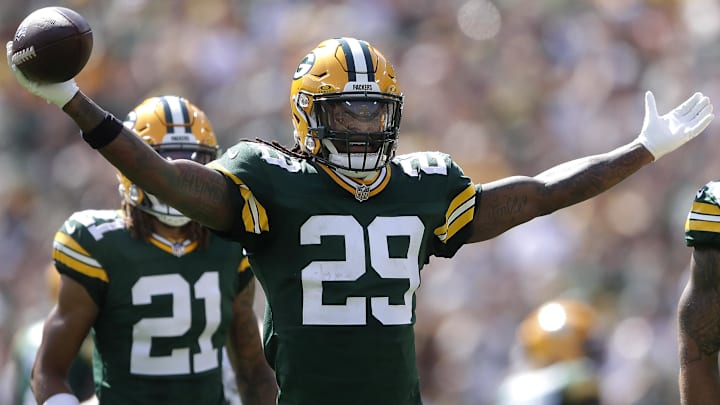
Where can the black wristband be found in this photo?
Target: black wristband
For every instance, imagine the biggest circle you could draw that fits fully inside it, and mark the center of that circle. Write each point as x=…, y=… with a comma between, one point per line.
x=104, y=133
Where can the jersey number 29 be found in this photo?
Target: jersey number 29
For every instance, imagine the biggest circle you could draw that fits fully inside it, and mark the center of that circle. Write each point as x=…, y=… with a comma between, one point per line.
x=353, y=312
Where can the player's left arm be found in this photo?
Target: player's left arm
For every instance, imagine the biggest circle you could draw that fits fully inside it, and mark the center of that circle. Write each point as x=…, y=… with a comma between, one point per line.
x=699, y=329
x=506, y=203
x=509, y=202
x=255, y=379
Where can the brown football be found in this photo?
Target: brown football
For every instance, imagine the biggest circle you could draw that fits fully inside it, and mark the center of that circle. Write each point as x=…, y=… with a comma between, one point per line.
x=52, y=45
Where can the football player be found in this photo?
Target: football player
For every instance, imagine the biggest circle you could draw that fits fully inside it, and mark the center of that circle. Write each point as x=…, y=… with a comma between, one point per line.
x=557, y=354
x=160, y=294
x=338, y=228
x=699, y=305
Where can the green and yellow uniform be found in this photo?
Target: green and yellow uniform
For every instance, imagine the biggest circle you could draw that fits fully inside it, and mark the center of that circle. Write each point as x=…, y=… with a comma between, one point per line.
x=340, y=261
x=164, y=308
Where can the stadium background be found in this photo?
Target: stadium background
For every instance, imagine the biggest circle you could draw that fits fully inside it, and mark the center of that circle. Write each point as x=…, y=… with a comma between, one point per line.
x=505, y=86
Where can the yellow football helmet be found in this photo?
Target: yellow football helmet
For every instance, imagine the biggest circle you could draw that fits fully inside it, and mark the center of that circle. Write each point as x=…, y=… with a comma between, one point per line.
x=176, y=129
x=346, y=106
x=557, y=331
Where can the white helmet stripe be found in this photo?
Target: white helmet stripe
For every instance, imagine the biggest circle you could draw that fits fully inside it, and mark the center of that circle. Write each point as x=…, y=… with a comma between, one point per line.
x=357, y=56
x=176, y=115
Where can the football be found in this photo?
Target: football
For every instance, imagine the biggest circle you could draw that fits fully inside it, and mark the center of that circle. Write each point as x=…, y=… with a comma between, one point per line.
x=52, y=45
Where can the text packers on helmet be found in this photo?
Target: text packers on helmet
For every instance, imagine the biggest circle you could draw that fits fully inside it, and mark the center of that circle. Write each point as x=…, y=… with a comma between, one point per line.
x=559, y=330
x=346, y=106
x=176, y=129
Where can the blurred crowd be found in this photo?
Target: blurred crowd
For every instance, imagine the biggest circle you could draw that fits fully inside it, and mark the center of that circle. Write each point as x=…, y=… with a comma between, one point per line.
x=505, y=86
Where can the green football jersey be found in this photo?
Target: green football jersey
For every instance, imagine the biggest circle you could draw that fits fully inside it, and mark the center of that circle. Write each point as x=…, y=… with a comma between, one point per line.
x=165, y=308
x=340, y=261
x=702, y=226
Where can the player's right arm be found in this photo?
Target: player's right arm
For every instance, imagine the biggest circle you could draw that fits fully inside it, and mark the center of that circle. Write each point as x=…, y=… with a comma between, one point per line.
x=63, y=334
x=200, y=193
x=699, y=329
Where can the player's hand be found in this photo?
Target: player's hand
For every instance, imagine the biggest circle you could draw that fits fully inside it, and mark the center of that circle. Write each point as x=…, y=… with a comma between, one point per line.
x=56, y=93
x=662, y=134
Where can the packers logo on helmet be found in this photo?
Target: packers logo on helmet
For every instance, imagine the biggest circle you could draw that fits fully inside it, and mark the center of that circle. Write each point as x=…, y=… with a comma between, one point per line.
x=176, y=129
x=346, y=106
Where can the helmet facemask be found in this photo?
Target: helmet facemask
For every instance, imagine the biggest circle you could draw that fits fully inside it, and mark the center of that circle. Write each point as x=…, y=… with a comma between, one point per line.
x=357, y=133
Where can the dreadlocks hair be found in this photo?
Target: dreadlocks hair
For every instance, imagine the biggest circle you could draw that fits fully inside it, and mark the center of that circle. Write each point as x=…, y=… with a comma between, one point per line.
x=139, y=223
x=296, y=150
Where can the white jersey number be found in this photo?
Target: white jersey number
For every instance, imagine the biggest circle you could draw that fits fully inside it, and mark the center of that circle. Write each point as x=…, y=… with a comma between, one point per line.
x=353, y=312
x=179, y=361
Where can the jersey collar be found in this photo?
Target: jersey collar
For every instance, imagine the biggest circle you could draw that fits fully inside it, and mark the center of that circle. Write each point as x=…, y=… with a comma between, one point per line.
x=362, y=189
x=178, y=249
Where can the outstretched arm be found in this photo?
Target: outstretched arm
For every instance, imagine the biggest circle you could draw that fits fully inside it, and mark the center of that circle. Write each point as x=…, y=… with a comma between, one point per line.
x=699, y=329
x=512, y=201
x=198, y=192
x=509, y=202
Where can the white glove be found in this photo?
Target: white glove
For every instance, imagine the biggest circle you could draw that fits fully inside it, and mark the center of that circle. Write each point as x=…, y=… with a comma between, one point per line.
x=56, y=93
x=663, y=134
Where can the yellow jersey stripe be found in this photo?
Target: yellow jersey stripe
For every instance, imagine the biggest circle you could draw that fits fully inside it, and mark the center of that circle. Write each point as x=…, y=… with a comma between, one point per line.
x=705, y=208
x=704, y=226
x=254, y=216
x=348, y=187
x=82, y=256
x=244, y=265
x=380, y=187
x=461, y=220
x=460, y=200
x=67, y=240
x=460, y=213
x=63, y=257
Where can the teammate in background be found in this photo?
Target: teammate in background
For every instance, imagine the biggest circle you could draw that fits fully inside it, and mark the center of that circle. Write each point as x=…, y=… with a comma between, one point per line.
x=161, y=295
x=25, y=347
x=556, y=357
x=699, y=305
x=339, y=228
